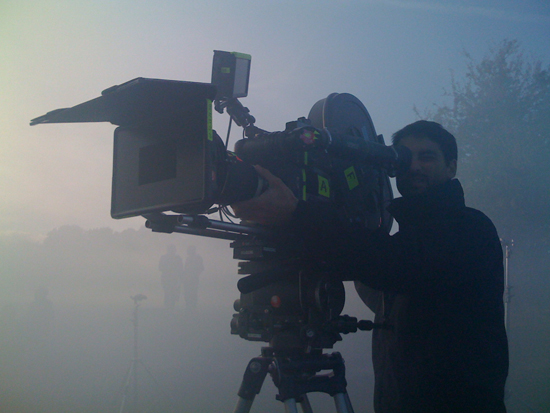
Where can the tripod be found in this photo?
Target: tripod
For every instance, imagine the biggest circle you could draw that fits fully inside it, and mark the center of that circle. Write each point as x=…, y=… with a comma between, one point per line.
x=130, y=386
x=507, y=244
x=295, y=375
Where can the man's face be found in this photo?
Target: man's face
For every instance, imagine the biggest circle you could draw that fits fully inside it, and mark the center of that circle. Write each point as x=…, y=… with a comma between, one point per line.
x=428, y=166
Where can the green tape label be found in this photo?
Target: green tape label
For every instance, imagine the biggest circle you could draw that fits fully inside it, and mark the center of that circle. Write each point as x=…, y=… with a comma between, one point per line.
x=304, y=180
x=324, y=187
x=351, y=177
x=209, y=119
x=241, y=55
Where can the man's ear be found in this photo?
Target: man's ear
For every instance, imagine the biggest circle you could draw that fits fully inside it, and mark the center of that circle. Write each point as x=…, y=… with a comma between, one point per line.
x=451, y=169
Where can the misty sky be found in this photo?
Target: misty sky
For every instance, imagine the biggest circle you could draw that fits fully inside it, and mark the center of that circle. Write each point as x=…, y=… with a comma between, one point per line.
x=390, y=54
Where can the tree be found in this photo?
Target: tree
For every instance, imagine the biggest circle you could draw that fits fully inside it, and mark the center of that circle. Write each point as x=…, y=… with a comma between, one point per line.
x=500, y=115
x=501, y=118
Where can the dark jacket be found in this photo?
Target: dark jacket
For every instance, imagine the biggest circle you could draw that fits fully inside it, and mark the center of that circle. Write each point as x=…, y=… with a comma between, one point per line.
x=442, y=281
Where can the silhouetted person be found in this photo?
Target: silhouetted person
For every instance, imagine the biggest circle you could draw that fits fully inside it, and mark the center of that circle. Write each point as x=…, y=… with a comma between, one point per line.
x=171, y=268
x=191, y=272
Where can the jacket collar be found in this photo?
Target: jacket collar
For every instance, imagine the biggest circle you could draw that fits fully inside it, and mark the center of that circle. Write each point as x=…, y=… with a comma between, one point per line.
x=437, y=202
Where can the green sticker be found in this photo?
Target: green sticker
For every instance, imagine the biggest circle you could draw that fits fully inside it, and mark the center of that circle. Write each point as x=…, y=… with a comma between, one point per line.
x=304, y=192
x=324, y=187
x=351, y=177
x=226, y=70
x=241, y=55
x=209, y=119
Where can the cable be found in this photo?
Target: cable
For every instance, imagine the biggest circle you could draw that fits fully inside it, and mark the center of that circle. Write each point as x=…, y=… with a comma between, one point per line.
x=228, y=132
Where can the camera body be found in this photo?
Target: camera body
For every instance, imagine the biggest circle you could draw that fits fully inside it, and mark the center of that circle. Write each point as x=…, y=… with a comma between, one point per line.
x=286, y=300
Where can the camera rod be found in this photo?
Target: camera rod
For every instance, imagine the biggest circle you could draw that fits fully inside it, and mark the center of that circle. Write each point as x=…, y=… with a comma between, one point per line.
x=199, y=225
x=240, y=115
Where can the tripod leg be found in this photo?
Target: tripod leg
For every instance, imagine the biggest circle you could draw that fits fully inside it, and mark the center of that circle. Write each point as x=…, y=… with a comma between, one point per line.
x=304, y=403
x=126, y=386
x=343, y=403
x=243, y=405
x=251, y=385
x=159, y=388
x=290, y=406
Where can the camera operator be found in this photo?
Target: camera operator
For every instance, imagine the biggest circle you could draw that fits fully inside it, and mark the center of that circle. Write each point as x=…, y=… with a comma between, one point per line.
x=439, y=281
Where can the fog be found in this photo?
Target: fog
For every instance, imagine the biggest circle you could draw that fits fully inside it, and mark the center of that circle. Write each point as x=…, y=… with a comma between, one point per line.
x=69, y=348
x=68, y=271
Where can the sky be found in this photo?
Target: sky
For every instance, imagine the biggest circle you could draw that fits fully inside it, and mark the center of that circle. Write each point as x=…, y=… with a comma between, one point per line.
x=391, y=54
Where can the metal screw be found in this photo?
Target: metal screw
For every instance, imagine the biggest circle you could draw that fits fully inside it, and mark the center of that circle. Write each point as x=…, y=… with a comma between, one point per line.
x=255, y=366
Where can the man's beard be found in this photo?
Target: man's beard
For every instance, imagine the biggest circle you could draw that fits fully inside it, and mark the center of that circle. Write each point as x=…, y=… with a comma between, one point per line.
x=412, y=184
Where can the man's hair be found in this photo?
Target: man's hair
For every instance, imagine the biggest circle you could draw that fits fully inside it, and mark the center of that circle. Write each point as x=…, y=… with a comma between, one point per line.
x=434, y=132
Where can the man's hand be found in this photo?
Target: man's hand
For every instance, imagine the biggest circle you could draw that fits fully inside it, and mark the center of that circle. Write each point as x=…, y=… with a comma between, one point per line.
x=274, y=207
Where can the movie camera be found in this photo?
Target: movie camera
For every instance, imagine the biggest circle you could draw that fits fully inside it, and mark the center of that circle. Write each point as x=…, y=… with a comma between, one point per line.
x=167, y=158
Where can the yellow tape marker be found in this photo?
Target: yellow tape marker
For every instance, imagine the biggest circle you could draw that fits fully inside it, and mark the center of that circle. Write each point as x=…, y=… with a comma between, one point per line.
x=209, y=119
x=241, y=55
x=324, y=187
x=351, y=177
x=304, y=192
